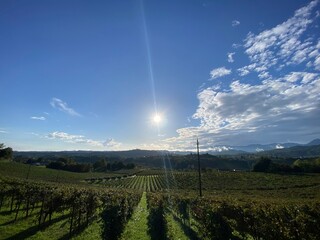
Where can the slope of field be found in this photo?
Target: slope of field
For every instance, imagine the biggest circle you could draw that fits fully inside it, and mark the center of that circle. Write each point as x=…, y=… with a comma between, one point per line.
x=41, y=173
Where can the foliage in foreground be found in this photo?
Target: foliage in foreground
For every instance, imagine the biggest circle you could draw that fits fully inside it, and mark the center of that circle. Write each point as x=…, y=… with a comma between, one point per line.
x=80, y=205
x=238, y=205
x=221, y=219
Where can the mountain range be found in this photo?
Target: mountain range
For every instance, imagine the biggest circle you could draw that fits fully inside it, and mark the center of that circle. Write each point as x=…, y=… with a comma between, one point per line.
x=256, y=148
x=310, y=149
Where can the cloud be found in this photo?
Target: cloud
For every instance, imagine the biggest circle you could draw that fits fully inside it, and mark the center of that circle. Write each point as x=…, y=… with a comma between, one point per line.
x=305, y=77
x=280, y=102
x=274, y=109
x=3, y=131
x=34, y=134
x=38, y=118
x=236, y=45
x=65, y=136
x=80, y=139
x=63, y=107
x=235, y=23
x=219, y=72
x=230, y=57
x=112, y=143
x=284, y=44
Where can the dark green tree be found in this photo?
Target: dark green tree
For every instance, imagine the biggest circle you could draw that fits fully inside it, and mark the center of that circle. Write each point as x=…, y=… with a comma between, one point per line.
x=263, y=165
x=100, y=165
x=5, y=153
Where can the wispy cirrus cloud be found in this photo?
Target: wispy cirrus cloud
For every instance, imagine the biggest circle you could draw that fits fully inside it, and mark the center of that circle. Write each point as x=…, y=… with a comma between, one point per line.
x=235, y=23
x=277, y=104
x=63, y=107
x=219, y=72
x=38, y=118
x=80, y=139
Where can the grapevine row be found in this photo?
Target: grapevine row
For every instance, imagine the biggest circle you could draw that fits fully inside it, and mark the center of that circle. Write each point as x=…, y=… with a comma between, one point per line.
x=222, y=219
x=80, y=205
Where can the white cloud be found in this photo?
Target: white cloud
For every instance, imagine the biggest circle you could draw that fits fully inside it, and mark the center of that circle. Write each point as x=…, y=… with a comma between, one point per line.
x=219, y=72
x=38, y=118
x=34, y=134
x=66, y=137
x=305, y=77
x=243, y=71
x=272, y=109
x=284, y=43
x=3, y=131
x=80, y=139
x=230, y=57
x=264, y=75
x=236, y=45
x=279, y=146
x=63, y=106
x=235, y=23
x=112, y=143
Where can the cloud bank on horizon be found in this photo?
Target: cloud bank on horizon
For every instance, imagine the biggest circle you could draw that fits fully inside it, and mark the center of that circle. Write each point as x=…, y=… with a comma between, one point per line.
x=283, y=105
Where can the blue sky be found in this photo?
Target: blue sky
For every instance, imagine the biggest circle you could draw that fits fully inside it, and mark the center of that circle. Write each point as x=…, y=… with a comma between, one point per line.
x=91, y=75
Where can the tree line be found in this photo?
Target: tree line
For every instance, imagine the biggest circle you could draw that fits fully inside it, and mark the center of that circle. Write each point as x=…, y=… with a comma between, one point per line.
x=5, y=152
x=265, y=164
x=68, y=164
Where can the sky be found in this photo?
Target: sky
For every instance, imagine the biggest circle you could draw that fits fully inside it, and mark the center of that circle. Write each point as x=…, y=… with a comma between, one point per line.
x=118, y=75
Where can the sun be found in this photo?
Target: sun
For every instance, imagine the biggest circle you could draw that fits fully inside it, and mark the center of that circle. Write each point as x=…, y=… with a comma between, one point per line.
x=157, y=118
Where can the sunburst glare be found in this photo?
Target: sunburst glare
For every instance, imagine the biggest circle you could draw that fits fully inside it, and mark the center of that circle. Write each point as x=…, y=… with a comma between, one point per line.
x=157, y=118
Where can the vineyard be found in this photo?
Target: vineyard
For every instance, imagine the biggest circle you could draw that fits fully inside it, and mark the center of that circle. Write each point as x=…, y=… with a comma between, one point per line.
x=145, y=183
x=157, y=204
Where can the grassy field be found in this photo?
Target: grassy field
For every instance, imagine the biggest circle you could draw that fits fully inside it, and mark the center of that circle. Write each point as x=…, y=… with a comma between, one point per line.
x=41, y=173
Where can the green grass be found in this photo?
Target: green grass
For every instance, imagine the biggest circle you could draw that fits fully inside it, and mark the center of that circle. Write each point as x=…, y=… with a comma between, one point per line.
x=26, y=228
x=176, y=229
x=92, y=232
x=137, y=227
x=20, y=170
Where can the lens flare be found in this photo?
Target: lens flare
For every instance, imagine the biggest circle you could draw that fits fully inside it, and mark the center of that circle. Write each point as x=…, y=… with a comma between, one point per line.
x=157, y=118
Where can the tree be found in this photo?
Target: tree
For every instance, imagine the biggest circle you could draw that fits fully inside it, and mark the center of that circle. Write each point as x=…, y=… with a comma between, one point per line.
x=308, y=165
x=262, y=165
x=100, y=165
x=5, y=153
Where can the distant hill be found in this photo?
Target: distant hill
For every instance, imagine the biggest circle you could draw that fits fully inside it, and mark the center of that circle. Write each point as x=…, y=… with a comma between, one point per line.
x=274, y=149
x=227, y=152
x=294, y=152
x=264, y=147
x=118, y=154
x=254, y=148
x=314, y=142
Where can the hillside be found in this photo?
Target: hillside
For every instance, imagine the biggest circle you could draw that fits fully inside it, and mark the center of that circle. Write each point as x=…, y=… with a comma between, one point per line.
x=293, y=152
x=116, y=154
